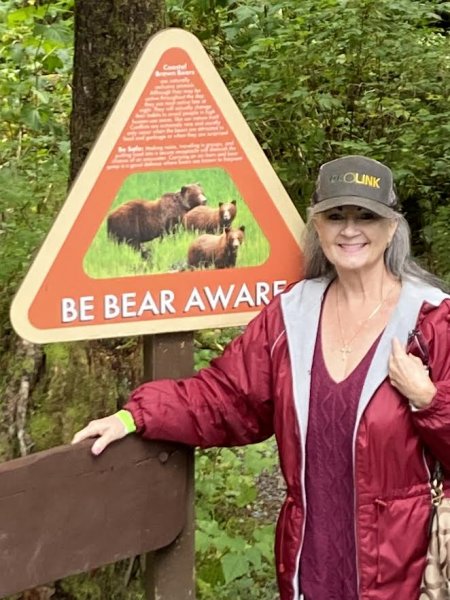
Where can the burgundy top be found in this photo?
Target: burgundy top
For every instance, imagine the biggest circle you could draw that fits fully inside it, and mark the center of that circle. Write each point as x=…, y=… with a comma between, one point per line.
x=328, y=560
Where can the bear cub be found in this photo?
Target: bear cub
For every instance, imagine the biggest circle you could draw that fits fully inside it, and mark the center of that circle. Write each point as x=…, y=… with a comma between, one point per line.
x=210, y=220
x=219, y=251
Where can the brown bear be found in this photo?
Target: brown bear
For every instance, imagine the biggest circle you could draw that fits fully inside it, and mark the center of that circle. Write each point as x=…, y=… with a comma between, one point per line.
x=139, y=221
x=219, y=251
x=211, y=220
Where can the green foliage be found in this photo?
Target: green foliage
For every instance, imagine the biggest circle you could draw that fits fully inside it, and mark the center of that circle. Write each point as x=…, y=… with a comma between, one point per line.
x=209, y=343
x=35, y=68
x=234, y=545
x=108, y=583
x=437, y=235
x=27, y=209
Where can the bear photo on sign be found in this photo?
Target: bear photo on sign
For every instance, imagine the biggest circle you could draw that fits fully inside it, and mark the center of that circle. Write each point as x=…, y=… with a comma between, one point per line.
x=156, y=218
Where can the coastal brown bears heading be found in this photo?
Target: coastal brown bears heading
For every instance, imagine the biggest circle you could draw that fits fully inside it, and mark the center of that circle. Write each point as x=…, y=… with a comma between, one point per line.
x=139, y=221
x=210, y=220
x=219, y=251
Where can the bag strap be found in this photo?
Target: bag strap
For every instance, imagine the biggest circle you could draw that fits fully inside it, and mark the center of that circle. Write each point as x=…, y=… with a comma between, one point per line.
x=437, y=493
x=437, y=485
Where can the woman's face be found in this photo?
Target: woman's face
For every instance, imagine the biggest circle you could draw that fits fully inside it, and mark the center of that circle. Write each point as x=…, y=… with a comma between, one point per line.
x=353, y=238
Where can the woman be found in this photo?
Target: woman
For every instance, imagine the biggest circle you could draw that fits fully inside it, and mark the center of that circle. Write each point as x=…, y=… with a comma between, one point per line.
x=350, y=370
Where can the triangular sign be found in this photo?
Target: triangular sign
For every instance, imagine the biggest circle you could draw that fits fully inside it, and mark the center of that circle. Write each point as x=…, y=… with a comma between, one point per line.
x=133, y=249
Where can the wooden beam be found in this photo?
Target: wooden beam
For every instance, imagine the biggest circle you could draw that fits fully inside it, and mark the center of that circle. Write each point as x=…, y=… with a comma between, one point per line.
x=64, y=511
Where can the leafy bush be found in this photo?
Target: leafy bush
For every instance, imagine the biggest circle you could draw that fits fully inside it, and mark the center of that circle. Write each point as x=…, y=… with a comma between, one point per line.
x=234, y=546
x=35, y=68
x=27, y=209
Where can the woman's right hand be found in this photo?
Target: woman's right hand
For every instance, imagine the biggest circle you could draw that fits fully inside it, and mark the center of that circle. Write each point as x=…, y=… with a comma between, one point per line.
x=107, y=430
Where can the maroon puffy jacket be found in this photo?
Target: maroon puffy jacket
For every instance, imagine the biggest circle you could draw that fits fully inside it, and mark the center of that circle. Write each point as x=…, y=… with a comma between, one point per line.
x=260, y=386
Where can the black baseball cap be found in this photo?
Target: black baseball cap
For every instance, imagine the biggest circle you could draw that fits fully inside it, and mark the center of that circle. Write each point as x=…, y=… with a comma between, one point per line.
x=356, y=181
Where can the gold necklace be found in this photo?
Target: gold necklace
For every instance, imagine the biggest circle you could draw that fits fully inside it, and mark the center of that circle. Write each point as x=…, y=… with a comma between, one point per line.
x=346, y=348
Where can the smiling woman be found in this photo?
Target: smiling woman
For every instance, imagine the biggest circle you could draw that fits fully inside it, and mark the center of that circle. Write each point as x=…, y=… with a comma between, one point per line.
x=396, y=255
x=352, y=237
x=334, y=368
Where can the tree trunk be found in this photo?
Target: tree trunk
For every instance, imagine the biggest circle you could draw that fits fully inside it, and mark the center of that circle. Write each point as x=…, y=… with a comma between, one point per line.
x=109, y=36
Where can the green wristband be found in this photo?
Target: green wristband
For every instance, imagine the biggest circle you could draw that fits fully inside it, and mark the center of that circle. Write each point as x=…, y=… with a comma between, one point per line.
x=127, y=420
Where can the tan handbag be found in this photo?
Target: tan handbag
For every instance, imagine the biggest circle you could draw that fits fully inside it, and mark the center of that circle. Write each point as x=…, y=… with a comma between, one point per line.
x=436, y=578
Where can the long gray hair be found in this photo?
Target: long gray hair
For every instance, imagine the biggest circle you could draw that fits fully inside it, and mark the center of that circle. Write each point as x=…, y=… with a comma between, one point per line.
x=397, y=256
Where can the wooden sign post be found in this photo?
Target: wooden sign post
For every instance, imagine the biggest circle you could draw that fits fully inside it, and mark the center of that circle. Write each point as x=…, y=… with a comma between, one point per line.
x=170, y=572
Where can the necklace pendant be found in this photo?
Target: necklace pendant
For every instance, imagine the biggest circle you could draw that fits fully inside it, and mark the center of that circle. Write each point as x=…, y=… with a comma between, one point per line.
x=345, y=351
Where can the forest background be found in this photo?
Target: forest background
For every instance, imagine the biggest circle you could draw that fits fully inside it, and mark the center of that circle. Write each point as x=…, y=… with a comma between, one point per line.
x=315, y=79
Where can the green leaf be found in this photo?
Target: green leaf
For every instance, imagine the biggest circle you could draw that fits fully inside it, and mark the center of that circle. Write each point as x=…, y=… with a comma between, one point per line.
x=32, y=117
x=233, y=566
x=254, y=556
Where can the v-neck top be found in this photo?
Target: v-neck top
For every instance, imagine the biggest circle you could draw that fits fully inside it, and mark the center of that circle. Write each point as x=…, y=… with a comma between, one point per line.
x=328, y=559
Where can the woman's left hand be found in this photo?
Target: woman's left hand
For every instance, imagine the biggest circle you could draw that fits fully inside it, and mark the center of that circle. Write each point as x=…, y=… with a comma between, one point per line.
x=409, y=376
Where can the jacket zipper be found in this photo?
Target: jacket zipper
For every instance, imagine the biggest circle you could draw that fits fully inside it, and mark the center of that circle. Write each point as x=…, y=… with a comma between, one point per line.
x=296, y=580
x=355, y=526
x=381, y=505
x=289, y=502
